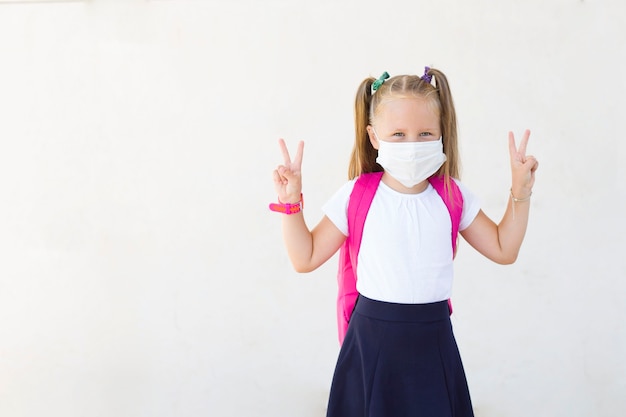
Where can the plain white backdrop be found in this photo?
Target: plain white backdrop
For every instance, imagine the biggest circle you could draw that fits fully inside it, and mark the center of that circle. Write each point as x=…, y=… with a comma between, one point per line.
x=141, y=273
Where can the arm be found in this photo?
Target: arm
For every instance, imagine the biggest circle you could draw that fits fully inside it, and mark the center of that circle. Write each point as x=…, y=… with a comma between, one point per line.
x=307, y=249
x=310, y=249
x=501, y=242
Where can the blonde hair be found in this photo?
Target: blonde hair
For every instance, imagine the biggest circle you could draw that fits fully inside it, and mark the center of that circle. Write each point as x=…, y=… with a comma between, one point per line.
x=363, y=158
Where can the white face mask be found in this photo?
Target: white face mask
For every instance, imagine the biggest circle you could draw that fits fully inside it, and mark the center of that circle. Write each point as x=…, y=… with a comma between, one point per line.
x=410, y=162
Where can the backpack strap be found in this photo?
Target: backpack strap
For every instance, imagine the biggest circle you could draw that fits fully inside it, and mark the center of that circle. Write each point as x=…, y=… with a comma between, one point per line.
x=360, y=201
x=453, y=199
x=358, y=207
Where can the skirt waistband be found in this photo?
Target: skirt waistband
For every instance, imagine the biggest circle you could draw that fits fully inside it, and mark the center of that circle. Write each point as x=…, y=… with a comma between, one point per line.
x=411, y=313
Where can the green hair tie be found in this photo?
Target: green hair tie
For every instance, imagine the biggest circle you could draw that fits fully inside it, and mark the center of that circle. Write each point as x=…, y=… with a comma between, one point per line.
x=376, y=85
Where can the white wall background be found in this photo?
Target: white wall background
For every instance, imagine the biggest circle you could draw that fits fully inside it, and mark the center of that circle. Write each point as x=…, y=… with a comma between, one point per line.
x=141, y=273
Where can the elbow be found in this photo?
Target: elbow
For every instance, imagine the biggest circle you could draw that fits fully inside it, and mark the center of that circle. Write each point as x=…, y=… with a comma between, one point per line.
x=302, y=268
x=506, y=259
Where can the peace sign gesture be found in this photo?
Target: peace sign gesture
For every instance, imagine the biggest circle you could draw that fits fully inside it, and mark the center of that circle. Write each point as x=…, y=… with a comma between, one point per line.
x=523, y=166
x=288, y=177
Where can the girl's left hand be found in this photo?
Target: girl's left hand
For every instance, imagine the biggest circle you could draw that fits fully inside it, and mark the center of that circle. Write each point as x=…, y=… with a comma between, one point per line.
x=523, y=166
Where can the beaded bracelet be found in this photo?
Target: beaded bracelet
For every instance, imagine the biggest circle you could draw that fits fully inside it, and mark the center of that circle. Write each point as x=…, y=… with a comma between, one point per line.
x=288, y=208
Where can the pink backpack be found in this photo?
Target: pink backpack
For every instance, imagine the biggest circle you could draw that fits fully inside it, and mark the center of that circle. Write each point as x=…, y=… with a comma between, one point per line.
x=360, y=200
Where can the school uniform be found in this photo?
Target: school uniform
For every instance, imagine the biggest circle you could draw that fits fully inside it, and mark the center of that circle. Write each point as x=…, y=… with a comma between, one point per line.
x=399, y=357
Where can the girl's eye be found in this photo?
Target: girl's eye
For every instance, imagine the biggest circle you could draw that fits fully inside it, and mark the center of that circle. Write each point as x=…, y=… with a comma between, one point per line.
x=426, y=134
x=398, y=134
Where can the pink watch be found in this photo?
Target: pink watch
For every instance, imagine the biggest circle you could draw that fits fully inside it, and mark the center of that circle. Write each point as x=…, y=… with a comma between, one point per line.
x=288, y=208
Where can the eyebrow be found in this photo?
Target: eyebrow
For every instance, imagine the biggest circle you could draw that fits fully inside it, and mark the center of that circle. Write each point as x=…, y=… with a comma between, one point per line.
x=420, y=129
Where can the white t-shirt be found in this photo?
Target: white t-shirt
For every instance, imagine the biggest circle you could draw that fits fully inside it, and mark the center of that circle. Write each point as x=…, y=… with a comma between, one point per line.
x=406, y=249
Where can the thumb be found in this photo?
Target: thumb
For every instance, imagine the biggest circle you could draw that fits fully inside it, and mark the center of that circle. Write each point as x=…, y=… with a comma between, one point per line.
x=286, y=173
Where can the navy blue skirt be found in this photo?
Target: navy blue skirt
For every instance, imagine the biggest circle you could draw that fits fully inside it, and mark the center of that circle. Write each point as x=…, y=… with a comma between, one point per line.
x=399, y=360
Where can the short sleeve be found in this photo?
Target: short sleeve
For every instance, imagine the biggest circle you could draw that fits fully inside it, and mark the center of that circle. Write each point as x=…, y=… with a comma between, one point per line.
x=336, y=208
x=471, y=206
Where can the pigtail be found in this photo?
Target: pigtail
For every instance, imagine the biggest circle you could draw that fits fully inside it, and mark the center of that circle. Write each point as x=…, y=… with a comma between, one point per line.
x=451, y=168
x=363, y=158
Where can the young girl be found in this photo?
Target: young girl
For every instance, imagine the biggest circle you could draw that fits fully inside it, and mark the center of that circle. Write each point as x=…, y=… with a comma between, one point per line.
x=399, y=357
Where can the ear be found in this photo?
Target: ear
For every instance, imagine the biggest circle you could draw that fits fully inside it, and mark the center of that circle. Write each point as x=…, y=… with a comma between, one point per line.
x=372, y=136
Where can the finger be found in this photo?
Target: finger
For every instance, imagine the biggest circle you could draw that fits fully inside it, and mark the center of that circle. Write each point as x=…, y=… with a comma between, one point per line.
x=278, y=179
x=298, y=159
x=524, y=143
x=285, y=152
x=512, y=146
x=286, y=174
x=513, y=151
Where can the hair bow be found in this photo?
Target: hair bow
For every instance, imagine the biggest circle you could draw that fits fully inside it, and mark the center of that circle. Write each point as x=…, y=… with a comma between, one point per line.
x=376, y=84
x=426, y=77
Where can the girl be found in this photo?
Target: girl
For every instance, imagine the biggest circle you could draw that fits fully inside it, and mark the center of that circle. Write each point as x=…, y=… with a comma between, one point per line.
x=399, y=357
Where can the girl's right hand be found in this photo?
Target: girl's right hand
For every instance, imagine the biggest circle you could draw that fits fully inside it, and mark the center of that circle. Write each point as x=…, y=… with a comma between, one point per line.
x=288, y=177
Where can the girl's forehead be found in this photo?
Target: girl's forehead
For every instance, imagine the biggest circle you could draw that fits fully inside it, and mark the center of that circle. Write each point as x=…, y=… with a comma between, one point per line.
x=409, y=108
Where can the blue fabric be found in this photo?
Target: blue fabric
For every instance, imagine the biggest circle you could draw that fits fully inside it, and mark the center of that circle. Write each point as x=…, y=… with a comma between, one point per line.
x=399, y=360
